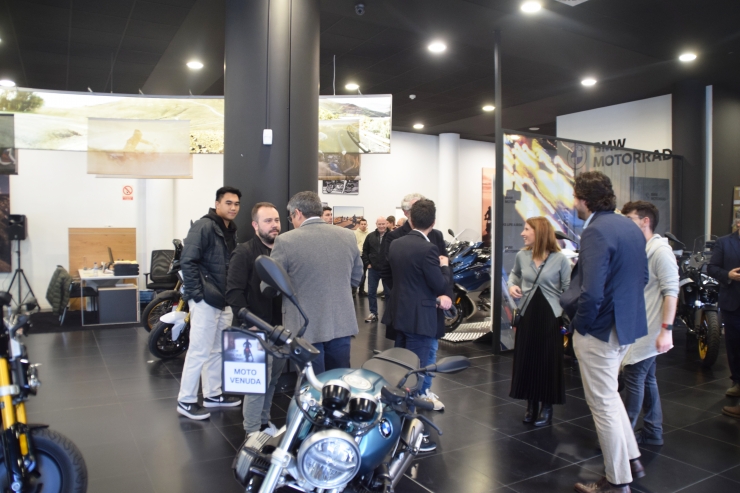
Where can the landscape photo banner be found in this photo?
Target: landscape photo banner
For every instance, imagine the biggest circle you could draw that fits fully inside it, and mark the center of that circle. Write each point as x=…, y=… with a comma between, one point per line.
x=8, y=152
x=139, y=148
x=58, y=120
x=355, y=124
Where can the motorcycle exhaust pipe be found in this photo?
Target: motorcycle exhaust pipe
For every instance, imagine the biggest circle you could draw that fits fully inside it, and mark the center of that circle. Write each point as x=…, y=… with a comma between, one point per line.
x=411, y=435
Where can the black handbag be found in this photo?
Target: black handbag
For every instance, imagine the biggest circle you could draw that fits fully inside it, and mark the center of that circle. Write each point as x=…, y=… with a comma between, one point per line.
x=516, y=318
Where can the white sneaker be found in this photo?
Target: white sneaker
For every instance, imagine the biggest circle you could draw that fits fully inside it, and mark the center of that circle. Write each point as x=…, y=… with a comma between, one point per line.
x=271, y=429
x=434, y=398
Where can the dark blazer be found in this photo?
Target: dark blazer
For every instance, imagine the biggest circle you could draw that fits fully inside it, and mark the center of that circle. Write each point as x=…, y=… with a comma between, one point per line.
x=607, y=287
x=435, y=237
x=725, y=257
x=419, y=280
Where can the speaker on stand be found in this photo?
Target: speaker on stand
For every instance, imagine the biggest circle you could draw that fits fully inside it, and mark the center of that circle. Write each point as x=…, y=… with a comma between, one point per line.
x=17, y=231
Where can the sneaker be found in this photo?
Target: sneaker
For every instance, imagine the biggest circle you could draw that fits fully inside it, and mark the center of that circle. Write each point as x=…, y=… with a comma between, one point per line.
x=269, y=429
x=222, y=401
x=643, y=439
x=733, y=391
x=427, y=445
x=192, y=410
x=372, y=318
x=434, y=399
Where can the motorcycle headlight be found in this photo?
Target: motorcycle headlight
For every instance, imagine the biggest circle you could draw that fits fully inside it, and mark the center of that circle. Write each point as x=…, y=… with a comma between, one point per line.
x=329, y=459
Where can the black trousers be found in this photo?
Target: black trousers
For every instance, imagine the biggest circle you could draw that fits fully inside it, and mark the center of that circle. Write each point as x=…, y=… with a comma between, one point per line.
x=732, y=341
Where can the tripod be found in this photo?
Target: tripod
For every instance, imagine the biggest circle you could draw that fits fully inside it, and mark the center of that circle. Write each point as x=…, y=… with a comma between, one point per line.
x=20, y=276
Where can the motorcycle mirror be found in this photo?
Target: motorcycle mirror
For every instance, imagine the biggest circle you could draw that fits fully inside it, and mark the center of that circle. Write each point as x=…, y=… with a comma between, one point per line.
x=673, y=238
x=451, y=364
x=450, y=232
x=274, y=275
x=562, y=236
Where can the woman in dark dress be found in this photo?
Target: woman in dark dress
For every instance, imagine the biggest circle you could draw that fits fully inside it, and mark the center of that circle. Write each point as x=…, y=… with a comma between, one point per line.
x=538, y=351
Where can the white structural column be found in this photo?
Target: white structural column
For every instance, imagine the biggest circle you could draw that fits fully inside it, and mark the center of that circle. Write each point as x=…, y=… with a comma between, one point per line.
x=159, y=217
x=448, y=171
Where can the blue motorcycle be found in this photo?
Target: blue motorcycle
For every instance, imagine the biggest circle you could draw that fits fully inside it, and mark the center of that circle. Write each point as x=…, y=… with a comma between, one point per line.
x=351, y=430
x=471, y=272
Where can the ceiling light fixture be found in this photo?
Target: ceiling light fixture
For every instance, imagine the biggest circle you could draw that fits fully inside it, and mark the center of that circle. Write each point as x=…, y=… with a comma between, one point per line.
x=418, y=126
x=687, y=57
x=7, y=83
x=534, y=129
x=437, y=47
x=352, y=86
x=531, y=7
x=194, y=65
x=489, y=107
x=588, y=82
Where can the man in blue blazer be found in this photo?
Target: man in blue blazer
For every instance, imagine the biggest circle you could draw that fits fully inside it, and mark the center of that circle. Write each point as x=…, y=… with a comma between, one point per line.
x=606, y=304
x=725, y=267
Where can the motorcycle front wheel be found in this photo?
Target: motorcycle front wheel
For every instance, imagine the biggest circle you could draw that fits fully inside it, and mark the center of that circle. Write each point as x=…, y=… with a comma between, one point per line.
x=709, y=339
x=161, y=344
x=161, y=304
x=452, y=323
x=60, y=465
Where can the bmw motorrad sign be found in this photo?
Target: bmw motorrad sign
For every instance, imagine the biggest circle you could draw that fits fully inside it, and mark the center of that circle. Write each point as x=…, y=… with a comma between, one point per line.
x=244, y=363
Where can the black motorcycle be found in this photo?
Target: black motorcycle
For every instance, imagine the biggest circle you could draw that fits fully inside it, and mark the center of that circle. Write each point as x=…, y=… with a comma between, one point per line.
x=164, y=301
x=698, y=297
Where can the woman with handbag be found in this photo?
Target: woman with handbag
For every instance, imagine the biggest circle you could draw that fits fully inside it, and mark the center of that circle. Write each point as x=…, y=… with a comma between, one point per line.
x=540, y=275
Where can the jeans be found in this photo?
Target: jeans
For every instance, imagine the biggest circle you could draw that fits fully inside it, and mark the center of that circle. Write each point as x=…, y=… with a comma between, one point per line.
x=732, y=341
x=361, y=287
x=373, y=279
x=256, y=407
x=642, y=393
x=334, y=354
x=432, y=359
x=422, y=346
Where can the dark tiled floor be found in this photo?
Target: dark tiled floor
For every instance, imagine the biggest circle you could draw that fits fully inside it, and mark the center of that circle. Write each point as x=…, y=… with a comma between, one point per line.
x=105, y=391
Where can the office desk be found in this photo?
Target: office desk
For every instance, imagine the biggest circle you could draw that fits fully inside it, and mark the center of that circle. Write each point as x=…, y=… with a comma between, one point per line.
x=111, y=289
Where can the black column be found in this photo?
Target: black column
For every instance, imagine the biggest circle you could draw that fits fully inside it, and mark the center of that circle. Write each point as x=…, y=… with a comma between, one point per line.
x=498, y=202
x=689, y=140
x=271, y=82
x=725, y=157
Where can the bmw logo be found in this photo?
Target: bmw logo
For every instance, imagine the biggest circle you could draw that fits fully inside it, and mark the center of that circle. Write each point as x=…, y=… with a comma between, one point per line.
x=577, y=156
x=386, y=428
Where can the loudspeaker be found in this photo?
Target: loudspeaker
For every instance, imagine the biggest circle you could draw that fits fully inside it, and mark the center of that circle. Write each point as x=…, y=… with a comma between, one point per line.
x=17, y=226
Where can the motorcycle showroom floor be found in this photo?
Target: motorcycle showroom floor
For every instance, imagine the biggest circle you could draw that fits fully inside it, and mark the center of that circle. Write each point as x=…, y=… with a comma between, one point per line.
x=104, y=390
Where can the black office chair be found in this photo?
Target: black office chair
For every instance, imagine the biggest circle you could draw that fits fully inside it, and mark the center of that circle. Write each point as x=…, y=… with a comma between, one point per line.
x=159, y=279
x=74, y=293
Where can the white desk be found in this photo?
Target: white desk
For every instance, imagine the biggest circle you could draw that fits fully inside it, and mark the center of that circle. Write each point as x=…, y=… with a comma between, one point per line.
x=101, y=279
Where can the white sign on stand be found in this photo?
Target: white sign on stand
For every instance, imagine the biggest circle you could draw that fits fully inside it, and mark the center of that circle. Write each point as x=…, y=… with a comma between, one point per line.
x=244, y=363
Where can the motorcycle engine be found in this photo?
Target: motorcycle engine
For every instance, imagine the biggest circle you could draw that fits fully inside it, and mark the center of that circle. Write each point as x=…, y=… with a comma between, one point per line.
x=249, y=461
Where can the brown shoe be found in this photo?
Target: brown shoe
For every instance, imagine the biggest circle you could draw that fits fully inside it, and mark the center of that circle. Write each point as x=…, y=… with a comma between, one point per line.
x=602, y=486
x=731, y=411
x=636, y=468
x=733, y=391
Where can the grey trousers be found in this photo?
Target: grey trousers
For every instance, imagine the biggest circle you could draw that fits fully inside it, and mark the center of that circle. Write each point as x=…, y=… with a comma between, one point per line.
x=256, y=407
x=599, y=362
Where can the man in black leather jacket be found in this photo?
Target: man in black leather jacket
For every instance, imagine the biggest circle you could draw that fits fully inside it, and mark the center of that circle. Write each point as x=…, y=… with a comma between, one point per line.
x=204, y=263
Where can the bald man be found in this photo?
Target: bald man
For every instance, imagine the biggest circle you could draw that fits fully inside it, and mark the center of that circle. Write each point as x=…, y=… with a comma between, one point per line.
x=370, y=252
x=400, y=223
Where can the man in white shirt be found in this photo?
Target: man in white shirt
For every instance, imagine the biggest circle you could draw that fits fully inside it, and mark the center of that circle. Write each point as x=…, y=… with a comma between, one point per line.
x=360, y=234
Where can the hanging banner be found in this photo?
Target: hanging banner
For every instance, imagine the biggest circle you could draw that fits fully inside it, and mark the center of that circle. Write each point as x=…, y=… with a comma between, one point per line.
x=8, y=152
x=244, y=363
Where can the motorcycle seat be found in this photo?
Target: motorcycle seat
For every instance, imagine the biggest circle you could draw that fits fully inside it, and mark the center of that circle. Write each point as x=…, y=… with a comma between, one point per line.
x=393, y=364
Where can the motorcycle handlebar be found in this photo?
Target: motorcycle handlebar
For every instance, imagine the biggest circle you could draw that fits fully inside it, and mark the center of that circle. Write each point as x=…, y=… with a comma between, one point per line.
x=422, y=404
x=276, y=335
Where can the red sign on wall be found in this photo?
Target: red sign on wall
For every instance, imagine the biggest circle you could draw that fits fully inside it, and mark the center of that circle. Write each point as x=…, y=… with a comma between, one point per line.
x=128, y=192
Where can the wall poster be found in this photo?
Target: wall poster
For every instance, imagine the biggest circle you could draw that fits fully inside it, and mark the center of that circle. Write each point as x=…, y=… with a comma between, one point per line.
x=735, y=207
x=355, y=124
x=5, y=247
x=348, y=216
x=8, y=152
x=336, y=166
x=347, y=187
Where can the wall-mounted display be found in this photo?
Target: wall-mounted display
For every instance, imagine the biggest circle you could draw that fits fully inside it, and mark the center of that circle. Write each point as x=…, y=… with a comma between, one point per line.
x=335, y=166
x=5, y=248
x=139, y=148
x=355, y=124
x=57, y=120
x=8, y=152
x=348, y=216
x=735, y=207
x=349, y=187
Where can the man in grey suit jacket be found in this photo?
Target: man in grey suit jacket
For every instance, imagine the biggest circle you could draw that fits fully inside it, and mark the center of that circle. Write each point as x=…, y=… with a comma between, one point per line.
x=323, y=263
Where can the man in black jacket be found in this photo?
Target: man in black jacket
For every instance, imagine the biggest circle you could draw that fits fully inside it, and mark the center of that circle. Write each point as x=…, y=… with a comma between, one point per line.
x=370, y=258
x=243, y=291
x=725, y=267
x=205, y=263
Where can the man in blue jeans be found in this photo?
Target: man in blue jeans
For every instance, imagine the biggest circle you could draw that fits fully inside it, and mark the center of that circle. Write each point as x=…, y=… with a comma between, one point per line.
x=661, y=296
x=370, y=259
x=420, y=277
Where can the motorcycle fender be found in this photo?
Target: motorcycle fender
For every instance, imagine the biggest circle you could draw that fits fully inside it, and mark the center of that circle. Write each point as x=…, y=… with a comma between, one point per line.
x=36, y=426
x=173, y=317
x=460, y=288
x=710, y=308
x=177, y=329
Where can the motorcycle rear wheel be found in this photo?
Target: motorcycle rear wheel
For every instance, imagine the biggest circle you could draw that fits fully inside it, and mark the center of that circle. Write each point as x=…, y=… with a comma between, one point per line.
x=161, y=304
x=61, y=467
x=161, y=344
x=709, y=339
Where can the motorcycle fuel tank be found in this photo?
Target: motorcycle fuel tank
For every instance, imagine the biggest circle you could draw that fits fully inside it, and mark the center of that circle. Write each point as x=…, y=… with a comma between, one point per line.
x=377, y=442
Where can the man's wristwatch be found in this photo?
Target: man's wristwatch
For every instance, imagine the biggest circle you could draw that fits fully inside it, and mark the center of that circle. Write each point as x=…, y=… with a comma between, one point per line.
x=667, y=326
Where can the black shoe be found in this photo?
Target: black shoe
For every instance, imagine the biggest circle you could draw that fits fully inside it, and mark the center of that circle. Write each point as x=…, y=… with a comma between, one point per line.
x=222, y=401
x=427, y=445
x=363, y=293
x=532, y=410
x=636, y=469
x=643, y=439
x=193, y=411
x=545, y=416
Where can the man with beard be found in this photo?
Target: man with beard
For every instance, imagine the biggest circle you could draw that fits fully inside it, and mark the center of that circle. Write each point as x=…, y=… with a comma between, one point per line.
x=243, y=291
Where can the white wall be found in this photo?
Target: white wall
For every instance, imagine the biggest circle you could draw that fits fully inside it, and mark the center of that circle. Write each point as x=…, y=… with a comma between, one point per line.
x=474, y=156
x=55, y=193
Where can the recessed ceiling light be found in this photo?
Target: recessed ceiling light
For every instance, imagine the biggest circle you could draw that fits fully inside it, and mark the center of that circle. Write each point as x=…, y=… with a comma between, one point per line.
x=489, y=107
x=687, y=57
x=352, y=86
x=534, y=128
x=418, y=126
x=531, y=7
x=437, y=47
x=588, y=82
x=7, y=83
x=194, y=65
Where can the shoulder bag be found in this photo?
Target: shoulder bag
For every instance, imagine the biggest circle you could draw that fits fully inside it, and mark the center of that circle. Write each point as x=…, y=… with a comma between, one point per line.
x=517, y=316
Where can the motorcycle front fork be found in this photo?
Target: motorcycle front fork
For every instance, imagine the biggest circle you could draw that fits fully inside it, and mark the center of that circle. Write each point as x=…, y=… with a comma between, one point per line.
x=281, y=455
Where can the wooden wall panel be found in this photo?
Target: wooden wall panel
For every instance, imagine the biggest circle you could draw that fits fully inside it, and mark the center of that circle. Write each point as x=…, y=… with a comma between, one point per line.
x=90, y=245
